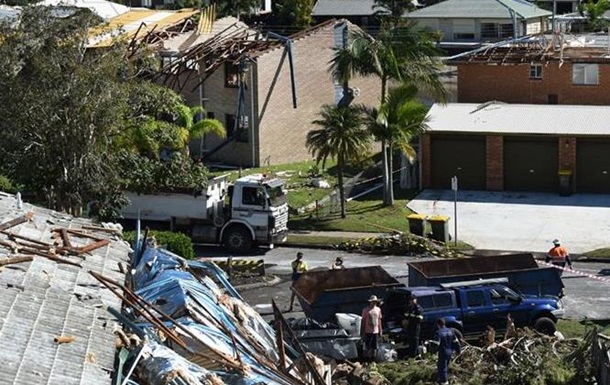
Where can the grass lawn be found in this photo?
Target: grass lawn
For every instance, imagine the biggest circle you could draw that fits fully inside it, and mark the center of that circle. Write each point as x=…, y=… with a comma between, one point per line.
x=298, y=179
x=598, y=253
x=570, y=328
x=366, y=214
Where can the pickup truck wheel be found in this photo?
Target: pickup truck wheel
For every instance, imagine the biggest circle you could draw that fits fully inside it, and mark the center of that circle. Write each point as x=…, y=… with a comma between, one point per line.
x=545, y=325
x=238, y=239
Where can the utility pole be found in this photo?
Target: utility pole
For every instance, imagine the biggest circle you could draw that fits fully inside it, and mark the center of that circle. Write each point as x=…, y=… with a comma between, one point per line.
x=454, y=187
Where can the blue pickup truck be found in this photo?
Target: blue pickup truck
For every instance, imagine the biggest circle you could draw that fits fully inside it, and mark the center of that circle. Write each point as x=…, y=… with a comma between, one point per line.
x=471, y=306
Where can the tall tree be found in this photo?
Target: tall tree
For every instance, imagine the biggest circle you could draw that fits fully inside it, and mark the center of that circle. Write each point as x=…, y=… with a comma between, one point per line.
x=340, y=137
x=63, y=108
x=235, y=7
x=402, y=53
x=293, y=13
x=594, y=12
x=399, y=120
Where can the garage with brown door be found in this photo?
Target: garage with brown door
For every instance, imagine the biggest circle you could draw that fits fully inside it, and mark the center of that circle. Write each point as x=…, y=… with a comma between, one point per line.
x=531, y=164
x=593, y=165
x=461, y=155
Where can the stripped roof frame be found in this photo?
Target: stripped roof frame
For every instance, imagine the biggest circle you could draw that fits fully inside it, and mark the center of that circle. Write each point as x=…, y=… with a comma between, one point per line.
x=539, y=48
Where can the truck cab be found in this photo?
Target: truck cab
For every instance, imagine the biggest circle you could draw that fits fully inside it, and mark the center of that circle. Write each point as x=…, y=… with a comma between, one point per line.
x=471, y=306
x=256, y=211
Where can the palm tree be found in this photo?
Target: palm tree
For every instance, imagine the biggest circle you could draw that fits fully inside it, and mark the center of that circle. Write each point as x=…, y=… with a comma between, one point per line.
x=403, y=53
x=399, y=120
x=394, y=9
x=341, y=136
x=192, y=129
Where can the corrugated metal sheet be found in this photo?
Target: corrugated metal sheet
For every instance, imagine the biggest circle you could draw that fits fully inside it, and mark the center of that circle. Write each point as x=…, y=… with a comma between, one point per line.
x=41, y=300
x=343, y=8
x=500, y=118
x=102, y=8
x=139, y=21
x=479, y=9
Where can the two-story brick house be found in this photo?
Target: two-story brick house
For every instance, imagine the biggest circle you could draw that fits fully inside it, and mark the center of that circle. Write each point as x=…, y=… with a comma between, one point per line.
x=541, y=69
x=273, y=122
x=525, y=145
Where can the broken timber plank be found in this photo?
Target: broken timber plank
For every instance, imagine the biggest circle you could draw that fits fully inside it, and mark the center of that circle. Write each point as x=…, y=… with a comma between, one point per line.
x=50, y=256
x=17, y=236
x=65, y=238
x=17, y=221
x=13, y=260
x=92, y=246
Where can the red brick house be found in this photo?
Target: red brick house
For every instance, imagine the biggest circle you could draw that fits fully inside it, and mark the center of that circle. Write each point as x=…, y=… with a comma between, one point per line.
x=205, y=67
x=537, y=70
x=517, y=147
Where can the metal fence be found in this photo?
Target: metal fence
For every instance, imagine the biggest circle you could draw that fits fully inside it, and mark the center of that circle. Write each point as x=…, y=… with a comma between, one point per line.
x=600, y=352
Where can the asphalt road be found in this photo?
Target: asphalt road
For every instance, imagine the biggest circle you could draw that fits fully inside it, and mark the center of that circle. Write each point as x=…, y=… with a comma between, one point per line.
x=585, y=296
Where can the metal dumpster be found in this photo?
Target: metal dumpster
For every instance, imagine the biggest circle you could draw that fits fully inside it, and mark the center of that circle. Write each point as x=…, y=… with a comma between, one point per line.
x=521, y=270
x=322, y=294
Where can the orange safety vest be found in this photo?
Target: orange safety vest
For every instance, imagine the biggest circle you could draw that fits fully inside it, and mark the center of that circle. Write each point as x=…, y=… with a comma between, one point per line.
x=558, y=254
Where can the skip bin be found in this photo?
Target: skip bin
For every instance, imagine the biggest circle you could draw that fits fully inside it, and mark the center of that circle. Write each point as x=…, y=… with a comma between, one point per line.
x=440, y=228
x=417, y=224
x=322, y=294
x=521, y=270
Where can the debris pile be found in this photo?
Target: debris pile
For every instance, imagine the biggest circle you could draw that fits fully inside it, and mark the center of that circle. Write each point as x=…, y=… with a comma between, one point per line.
x=399, y=244
x=193, y=327
x=529, y=358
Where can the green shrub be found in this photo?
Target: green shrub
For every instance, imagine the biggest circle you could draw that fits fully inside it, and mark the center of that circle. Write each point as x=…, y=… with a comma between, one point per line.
x=177, y=243
x=8, y=185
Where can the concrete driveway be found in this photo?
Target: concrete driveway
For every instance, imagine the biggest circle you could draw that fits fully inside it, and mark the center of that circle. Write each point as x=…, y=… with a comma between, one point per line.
x=516, y=221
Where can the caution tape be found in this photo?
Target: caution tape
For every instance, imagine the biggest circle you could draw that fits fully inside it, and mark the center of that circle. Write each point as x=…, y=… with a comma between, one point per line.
x=578, y=272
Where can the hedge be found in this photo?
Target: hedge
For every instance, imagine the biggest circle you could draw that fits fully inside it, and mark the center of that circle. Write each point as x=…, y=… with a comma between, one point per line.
x=177, y=243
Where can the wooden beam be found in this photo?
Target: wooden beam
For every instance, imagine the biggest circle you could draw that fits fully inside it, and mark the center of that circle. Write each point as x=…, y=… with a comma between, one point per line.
x=17, y=221
x=13, y=260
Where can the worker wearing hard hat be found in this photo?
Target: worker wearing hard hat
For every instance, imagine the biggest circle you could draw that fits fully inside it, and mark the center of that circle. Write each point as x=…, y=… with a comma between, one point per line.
x=558, y=255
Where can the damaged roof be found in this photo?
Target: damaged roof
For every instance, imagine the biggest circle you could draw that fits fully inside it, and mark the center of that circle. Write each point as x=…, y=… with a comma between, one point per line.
x=525, y=119
x=136, y=23
x=51, y=297
x=541, y=48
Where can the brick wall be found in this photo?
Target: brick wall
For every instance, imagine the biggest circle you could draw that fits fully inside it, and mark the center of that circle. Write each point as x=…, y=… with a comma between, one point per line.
x=567, y=156
x=426, y=161
x=478, y=83
x=495, y=162
x=283, y=129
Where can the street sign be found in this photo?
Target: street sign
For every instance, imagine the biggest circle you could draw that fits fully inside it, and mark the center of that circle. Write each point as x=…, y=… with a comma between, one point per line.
x=454, y=183
x=454, y=187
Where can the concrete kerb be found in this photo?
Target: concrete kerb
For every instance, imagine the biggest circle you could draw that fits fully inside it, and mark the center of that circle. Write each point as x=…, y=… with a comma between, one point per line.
x=249, y=286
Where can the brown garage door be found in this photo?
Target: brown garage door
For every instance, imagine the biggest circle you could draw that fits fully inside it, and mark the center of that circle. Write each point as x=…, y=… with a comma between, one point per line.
x=459, y=155
x=593, y=165
x=531, y=164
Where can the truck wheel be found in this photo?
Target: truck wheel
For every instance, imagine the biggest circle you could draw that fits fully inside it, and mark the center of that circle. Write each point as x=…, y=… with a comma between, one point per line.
x=238, y=238
x=545, y=325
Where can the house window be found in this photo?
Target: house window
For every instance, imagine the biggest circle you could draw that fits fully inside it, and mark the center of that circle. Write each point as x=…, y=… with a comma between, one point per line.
x=489, y=31
x=585, y=74
x=536, y=71
x=463, y=30
x=506, y=30
x=242, y=128
x=231, y=75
